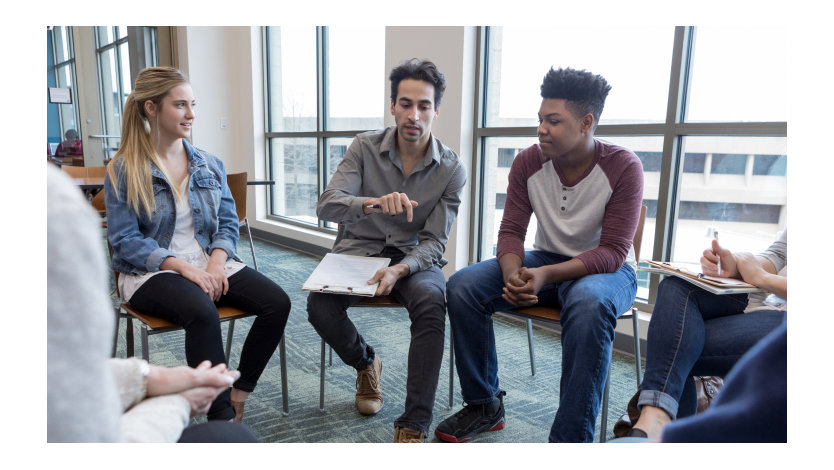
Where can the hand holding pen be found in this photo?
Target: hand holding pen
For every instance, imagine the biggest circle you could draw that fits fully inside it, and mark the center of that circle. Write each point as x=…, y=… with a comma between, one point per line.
x=718, y=261
x=394, y=203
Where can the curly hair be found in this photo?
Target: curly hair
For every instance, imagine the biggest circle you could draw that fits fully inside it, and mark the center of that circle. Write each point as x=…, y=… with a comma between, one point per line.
x=417, y=69
x=584, y=91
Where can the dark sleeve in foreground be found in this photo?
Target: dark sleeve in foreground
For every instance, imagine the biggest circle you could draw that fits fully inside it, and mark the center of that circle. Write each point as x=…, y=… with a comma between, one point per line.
x=752, y=406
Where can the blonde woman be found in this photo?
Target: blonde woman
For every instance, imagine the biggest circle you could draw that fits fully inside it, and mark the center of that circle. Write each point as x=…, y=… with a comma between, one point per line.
x=172, y=224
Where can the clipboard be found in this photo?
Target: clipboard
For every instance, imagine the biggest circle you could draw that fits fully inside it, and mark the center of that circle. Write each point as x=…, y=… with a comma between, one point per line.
x=692, y=273
x=345, y=274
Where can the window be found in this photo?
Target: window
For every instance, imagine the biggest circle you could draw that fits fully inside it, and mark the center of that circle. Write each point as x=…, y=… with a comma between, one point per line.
x=114, y=79
x=717, y=158
x=316, y=103
x=63, y=66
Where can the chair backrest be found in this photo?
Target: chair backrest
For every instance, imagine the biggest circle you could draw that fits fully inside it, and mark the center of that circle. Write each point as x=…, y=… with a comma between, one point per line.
x=96, y=171
x=237, y=186
x=98, y=202
x=638, y=235
x=75, y=171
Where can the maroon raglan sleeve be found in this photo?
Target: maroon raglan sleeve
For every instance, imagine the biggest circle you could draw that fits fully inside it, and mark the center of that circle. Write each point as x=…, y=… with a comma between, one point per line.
x=622, y=213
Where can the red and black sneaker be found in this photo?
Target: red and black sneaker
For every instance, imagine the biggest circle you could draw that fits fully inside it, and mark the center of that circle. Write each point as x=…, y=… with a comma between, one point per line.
x=472, y=420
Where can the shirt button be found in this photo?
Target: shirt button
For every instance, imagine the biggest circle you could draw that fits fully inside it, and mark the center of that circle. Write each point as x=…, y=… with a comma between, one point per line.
x=564, y=198
x=197, y=210
x=563, y=207
x=201, y=232
x=389, y=236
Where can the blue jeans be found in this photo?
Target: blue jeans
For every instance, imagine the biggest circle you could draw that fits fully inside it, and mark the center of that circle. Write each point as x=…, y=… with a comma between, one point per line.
x=693, y=332
x=590, y=307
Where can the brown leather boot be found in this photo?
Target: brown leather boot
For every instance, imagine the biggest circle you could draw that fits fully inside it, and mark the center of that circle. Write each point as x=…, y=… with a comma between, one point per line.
x=406, y=435
x=369, y=389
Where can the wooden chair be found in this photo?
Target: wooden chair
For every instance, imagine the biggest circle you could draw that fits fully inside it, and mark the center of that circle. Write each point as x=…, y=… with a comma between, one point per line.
x=383, y=301
x=237, y=186
x=96, y=171
x=553, y=315
x=74, y=171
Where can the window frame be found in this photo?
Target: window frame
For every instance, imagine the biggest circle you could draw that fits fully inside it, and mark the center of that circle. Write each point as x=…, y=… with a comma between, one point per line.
x=100, y=50
x=56, y=68
x=322, y=135
x=673, y=131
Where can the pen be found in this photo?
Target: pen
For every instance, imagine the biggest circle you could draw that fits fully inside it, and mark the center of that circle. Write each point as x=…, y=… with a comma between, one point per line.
x=373, y=206
x=715, y=237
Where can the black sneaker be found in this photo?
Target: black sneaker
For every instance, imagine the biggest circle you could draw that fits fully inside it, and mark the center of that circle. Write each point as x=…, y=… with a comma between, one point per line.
x=472, y=420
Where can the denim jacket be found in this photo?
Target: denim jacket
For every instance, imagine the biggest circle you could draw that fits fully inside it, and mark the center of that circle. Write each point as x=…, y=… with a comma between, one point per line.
x=140, y=244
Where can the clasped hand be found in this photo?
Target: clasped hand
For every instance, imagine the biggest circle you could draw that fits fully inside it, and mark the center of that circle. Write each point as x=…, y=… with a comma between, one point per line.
x=393, y=204
x=213, y=280
x=199, y=385
x=522, y=287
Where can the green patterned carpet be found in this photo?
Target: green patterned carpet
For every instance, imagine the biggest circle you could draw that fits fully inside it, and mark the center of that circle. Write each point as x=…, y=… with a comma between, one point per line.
x=530, y=403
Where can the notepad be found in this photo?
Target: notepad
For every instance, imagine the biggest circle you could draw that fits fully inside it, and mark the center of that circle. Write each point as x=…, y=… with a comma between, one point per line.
x=345, y=274
x=691, y=272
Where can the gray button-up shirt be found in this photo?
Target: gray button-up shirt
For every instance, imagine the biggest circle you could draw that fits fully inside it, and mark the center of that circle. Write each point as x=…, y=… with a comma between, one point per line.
x=372, y=167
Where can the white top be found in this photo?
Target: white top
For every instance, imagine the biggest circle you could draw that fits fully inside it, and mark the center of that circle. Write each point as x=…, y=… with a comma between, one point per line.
x=183, y=244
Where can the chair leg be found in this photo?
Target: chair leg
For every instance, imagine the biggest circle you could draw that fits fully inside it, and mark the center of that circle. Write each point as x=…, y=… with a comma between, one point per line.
x=321, y=385
x=451, y=371
x=229, y=337
x=130, y=348
x=145, y=353
x=530, y=345
x=637, y=360
x=282, y=351
x=116, y=333
x=251, y=243
x=603, y=427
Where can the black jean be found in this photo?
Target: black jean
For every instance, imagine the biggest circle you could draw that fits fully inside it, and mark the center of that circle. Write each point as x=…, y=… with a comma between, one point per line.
x=178, y=300
x=423, y=294
x=218, y=431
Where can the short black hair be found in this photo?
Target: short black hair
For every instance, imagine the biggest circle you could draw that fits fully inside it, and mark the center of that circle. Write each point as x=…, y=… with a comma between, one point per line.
x=584, y=91
x=418, y=69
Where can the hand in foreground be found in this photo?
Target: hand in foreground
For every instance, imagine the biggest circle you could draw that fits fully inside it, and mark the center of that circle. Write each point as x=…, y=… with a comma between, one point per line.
x=387, y=277
x=709, y=262
x=201, y=398
x=168, y=380
x=212, y=382
x=393, y=204
x=523, y=286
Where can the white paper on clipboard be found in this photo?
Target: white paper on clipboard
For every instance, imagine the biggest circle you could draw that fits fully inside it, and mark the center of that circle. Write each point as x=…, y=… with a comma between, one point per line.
x=345, y=274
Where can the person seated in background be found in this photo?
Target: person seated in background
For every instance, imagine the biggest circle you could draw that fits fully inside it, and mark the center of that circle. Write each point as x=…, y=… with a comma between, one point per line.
x=71, y=144
x=91, y=398
x=694, y=332
x=172, y=224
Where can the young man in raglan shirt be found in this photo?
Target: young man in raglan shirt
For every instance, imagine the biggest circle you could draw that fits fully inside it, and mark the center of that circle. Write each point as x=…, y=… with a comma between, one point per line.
x=586, y=195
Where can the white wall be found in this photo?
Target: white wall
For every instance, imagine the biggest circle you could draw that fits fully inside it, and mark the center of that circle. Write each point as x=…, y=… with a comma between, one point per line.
x=452, y=49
